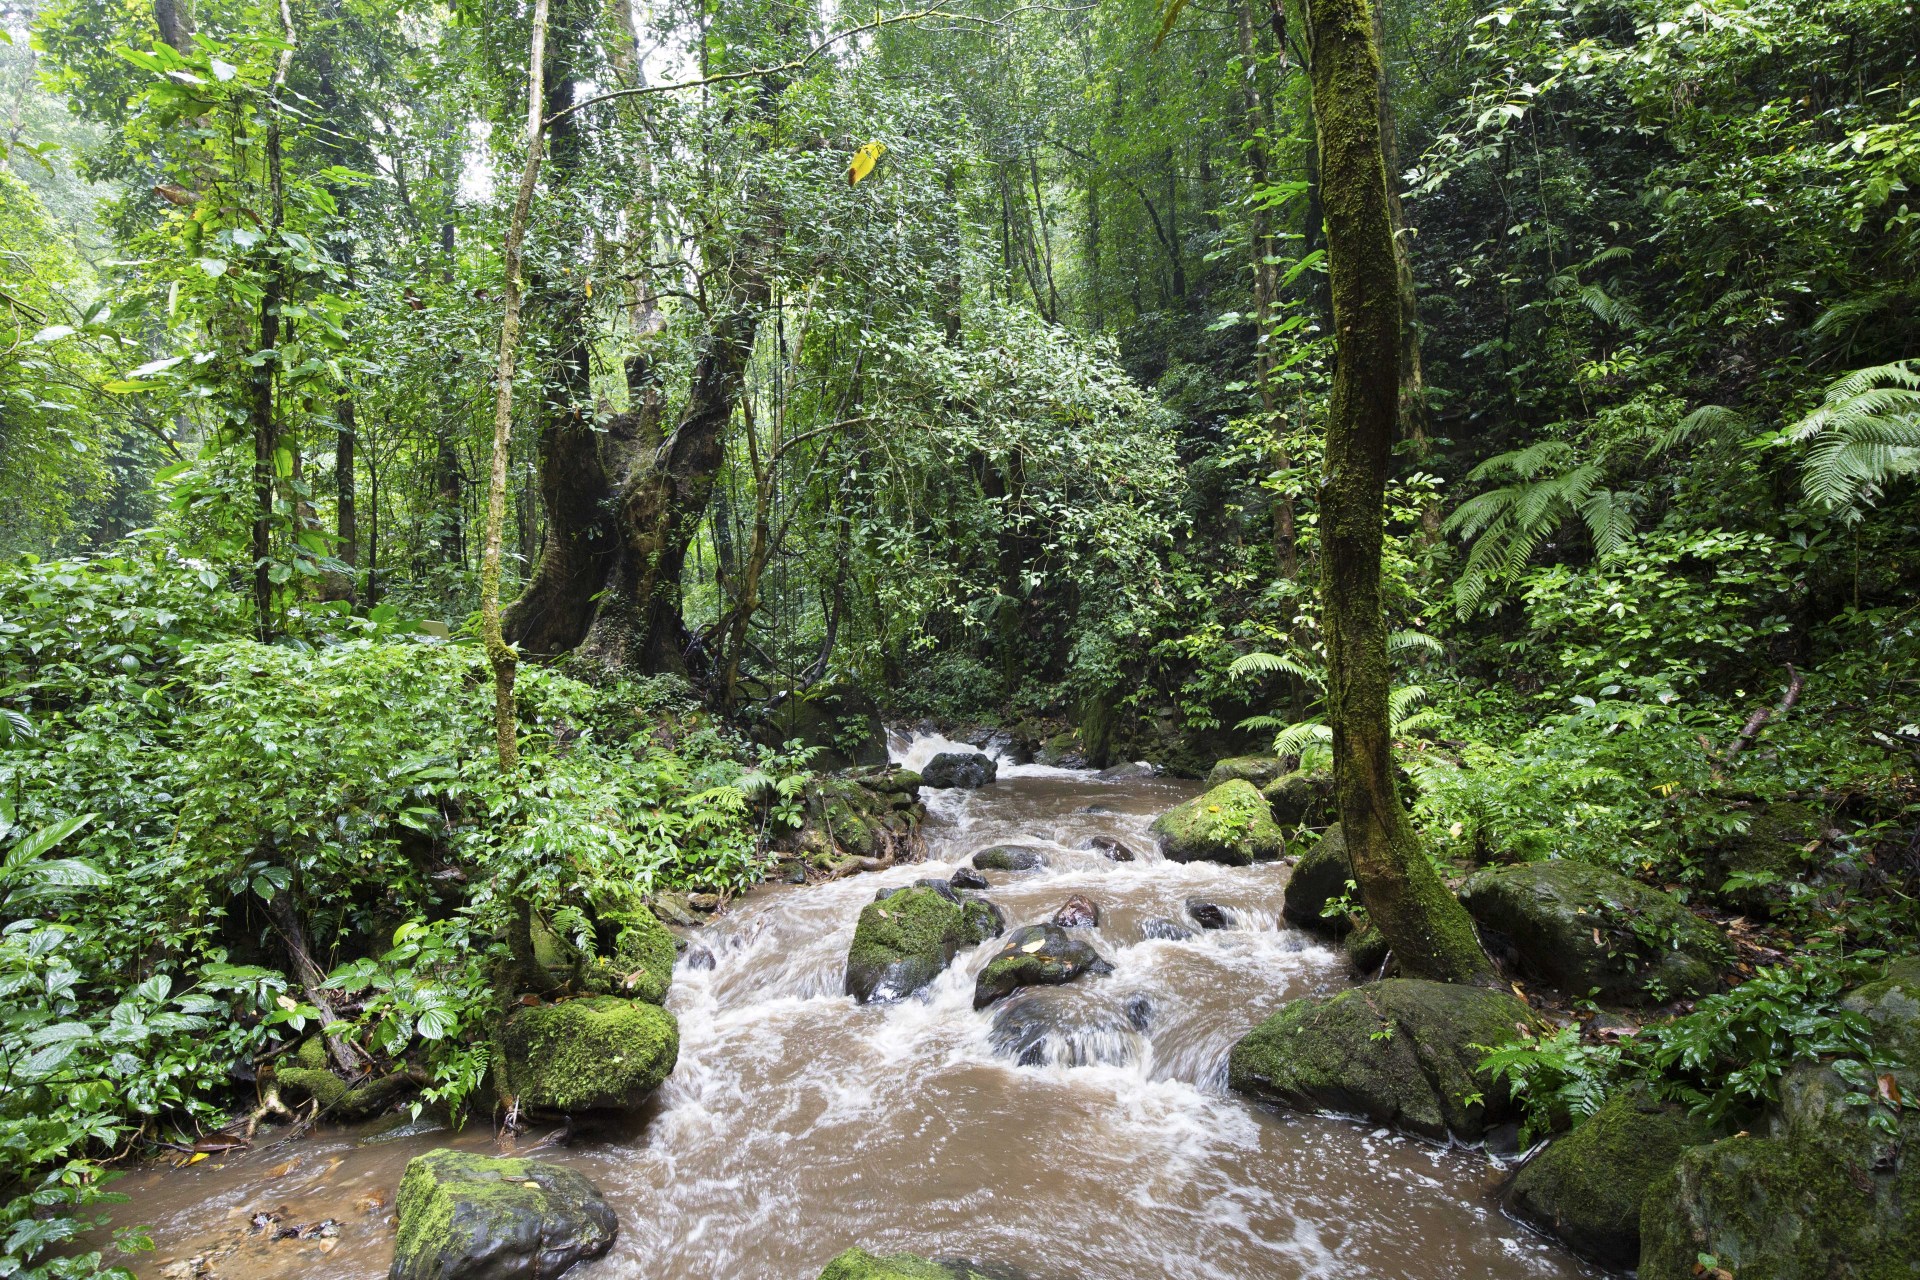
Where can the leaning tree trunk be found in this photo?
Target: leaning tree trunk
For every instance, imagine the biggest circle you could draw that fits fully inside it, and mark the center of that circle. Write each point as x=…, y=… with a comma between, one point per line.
x=1429, y=931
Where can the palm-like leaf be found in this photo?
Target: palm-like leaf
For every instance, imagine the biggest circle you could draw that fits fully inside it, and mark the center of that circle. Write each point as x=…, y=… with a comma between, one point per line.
x=1260, y=663
x=1864, y=435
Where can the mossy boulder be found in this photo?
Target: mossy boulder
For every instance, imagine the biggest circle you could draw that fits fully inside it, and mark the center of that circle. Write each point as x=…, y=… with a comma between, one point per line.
x=967, y=769
x=858, y=1264
x=1751, y=871
x=310, y=1076
x=1891, y=1006
x=635, y=956
x=844, y=722
x=1823, y=1196
x=1010, y=857
x=1062, y=751
x=1318, y=878
x=1400, y=1052
x=1589, y=930
x=463, y=1216
x=1039, y=955
x=1587, y=1187
x=1367, y=951
x=903, y=942
x=1303, y=797
x=1229, y=824
x=603, y=1053
x=1259, y=770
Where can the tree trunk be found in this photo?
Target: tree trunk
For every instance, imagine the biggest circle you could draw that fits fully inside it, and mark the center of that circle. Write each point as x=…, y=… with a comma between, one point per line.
x=343, y=586
x=1428, y=930
x=175, y=27
x=499, y=654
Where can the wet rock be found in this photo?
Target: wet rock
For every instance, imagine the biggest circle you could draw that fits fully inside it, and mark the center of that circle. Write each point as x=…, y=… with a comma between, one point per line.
x=944, y=888
x=1367, y=952
x=1302, y=798
x=967, y=878
x=1399, y=1052
x=1062, y=751
x=603, y=1053
x=1139, y=1011
x=707, y=902
x=699, y=958
x=1108, y=847
x=1208, y=915
x=1891, y=1006
x=794, y=874
x=1164, y=929
x=1097, y=810
x=1127, y=772
x=1752, y=871
x=672, y=908
x=1037, y=955
x=463, y=1216
x=1823, y=1194
x=1010, y=857
x=1259, y=770
x=858, y=1264
x=1040, y=1030
x=1003, y=745
x=1077, y=912
x=968, y=769
x=901, y=943
x=1229, y=824
x=1586, y=929
x=1318, y=878
x=1587, y=1187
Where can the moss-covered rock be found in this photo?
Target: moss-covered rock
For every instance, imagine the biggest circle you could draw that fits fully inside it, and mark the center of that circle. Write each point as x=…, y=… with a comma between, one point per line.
x=1259, y=770
x=858, y=1264
x=902, y=943
x=603, y=1053
x=1587, y=1187
x=1750, y=871
x=1229, y=824
x=463, y=1216
x=308, y=1075
x=635, y=954
x=1062, y=751
x=1367, y=951
x=1892, y=1006
x=1010, y=857
x=1318, y=878
x=1039, y=955
x=1400, y=1052
x=1589, y=930
x=1824, y=1196
x=1302, y=797
x=967, y=769
x=844, y=722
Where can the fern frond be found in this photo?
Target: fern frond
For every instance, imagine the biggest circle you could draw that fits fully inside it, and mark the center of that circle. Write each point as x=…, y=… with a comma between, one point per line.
x=1709, y=421
x=1864, y=434
x=1402, y=701
x=1250, y=664
x=1296, y=738
x=1401, y=641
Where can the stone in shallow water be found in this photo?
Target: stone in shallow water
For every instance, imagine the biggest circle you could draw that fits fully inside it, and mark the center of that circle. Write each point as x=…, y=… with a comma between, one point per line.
x=1077, y=912
x=1208, y=915
x=463, y=1216
x=1043, y=1029
x=1037, y=955
x=858, y=1264
x=598, y=1054
x=967, y=878
x=968, y=769
x=1318, y=878
x=1230, y=824
x=1108, y=847
x=1163, y=929
x=1010, y=857
x=903, y=941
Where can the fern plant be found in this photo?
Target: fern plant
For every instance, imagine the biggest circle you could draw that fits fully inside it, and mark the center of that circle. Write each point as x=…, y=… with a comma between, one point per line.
x=1864, y=435
x=1311, y=739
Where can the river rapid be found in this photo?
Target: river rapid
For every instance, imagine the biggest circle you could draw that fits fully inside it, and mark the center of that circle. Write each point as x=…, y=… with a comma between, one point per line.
x=1074, y=1133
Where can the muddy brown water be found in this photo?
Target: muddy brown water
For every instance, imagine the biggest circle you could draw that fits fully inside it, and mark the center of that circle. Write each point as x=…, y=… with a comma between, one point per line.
x=1089, y=1136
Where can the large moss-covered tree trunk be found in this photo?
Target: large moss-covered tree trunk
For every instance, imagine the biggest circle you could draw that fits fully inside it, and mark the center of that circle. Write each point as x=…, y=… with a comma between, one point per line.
x=1429, y=931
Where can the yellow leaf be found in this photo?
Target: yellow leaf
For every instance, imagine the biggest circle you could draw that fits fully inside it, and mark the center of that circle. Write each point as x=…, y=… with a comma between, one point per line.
x=863, y=161
x=589, y=287
x=196, y=1157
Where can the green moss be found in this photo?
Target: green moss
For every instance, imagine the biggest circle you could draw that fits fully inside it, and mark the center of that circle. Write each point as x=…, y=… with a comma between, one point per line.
x=858, y=1264
x=1258, y=770
x=1318, y=878
x=1367, y=951
x=1400, y=1052
x=311, y=1076
x=601, y=1053
x=1588, y=1187
x=456, y=1206
x=1892, y=1005
x=1301, y=797
x=1039, y=955
x=903, y=942
x=1584, y=928
x=1229, y=824
x=635, y=952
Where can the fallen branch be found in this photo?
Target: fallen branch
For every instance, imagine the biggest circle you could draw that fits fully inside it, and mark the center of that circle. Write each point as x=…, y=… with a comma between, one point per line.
x=1758, y=720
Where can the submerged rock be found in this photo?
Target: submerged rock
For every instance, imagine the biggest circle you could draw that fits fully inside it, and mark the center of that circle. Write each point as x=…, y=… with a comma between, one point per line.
x=902, y=942
x=1110, y=848
x=1259, y=770
x=858, y=1264
x=1077, y=912
x=1040, y=1030
x=1162, y=928
x=1830, y=1191
x=1302, y=797
x=1010, y=857
x=1318, y=878
x=968, y=769
x=463, y=1216
x=1399, y=1052
x=1037, y=955
x=944, y=888
x=1589, y=930
x=603, y=1053
x=1208, y=915
x=967, y=878
x=1229, y=824
x=1587, y=1188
